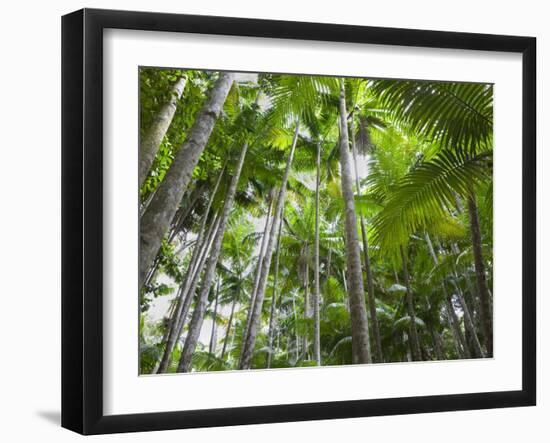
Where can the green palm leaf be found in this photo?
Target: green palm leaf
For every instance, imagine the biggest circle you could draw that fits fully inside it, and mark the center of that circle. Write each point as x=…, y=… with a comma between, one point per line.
x=427, y=192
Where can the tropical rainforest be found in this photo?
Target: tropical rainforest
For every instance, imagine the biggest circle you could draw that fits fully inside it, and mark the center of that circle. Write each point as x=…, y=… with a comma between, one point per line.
x=299, y=220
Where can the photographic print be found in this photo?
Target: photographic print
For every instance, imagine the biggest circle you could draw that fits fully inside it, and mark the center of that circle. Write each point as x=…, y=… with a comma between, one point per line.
x=292, y=221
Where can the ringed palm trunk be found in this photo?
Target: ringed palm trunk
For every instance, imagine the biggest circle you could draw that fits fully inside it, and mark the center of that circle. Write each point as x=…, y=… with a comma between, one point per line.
x=274, y=299
x=156, y=219
x=258, y=270
x=460, y=342
x=481, y=278
x=213, y=338
x=317, y=294
x=307, y=311
x=469, y=324
x=461, y=345
x=248, y=345
x=438, y=349
x=359, y=322
x=228, y=330
x=191, y=280
x=368, y=270
x=149, y=144
x=187, y=293
x=415, y=342
x=200, y=307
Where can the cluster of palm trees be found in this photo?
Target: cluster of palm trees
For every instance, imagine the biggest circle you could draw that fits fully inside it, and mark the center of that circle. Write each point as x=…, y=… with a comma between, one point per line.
x=296, y=220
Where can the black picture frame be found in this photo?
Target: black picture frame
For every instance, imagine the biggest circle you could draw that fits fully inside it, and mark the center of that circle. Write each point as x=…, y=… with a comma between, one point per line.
x=82, y=218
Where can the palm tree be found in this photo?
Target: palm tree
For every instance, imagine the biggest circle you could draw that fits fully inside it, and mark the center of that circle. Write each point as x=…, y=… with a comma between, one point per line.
x=359, y=321
x=354, y=265
x=200, y=307
x=155, y=221
x=150, y=142
x=248, y=346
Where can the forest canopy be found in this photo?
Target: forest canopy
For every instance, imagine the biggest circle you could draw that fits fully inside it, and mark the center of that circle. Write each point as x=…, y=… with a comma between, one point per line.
x=300, y=220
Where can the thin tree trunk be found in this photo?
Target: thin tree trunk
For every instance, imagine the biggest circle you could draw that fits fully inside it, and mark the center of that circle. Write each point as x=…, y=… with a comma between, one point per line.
x=451, y=314
x=248, y=346
x=415, y=343
x=345, y=282
x=149, y=144
x=358, y=312
x=469, y=323
x=274, y=299
x=317, y=294
x=197, y=272
x=228, y=330
x=258, y=269
x=437, y=344
x=187, y=291
x=307, y=310
x=200, y=307
x=213, y=338
x=296, y=336
x=481, y=279
x=191, y=280
x=368, y=270
x=470, y=294
x=156, y=220
x=307, y=301
x=455, y=328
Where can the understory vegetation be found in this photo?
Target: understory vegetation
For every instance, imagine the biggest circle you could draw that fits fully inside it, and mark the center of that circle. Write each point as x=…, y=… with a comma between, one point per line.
x=297, y=220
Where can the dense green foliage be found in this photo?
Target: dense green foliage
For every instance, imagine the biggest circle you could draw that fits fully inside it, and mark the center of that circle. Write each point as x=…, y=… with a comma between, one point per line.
x=424, y=155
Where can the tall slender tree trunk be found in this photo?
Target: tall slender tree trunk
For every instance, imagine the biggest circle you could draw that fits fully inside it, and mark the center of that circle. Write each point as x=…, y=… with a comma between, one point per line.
x=228, y=330
x=458, y=336
x=415, y=342
x=359, y=321
x=368, y=270
x=200, y=307
x=149, y=144
x=438, y=349
x=248, y=345
x=274, y=299
x=469, y=323
x=261, y=254
x=156, y=220
x=213, y=338
x=462, y=346
x=197, y=272
x=191, y=280
x=307, y=310
x=317, y=294
x=481, y=279
x=187, y=292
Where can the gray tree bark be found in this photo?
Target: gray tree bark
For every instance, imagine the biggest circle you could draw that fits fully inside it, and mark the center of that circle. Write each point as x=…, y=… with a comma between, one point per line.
x=481, y=279
x=368, y=269
x=261, y=254
x=149, y=144
x=191, y=280
x=458, y=336
x=248, y=345
x=156, y=220
x=462, y=346
x=415, y=342
x=200, y=307
x=213, y=338
x=469, y=323
x=228, y=330
x=317, y=294
x=358, y=312
x=187, y=292
x=274, y=299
